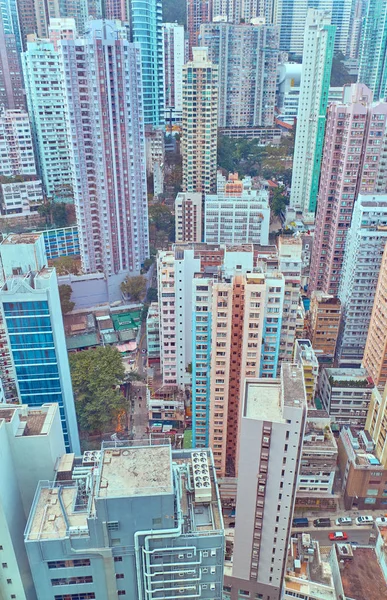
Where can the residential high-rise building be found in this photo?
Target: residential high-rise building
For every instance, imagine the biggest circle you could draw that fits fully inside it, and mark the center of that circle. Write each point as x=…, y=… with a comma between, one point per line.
x=236, y=334
x=270, y=444
x=31, y=441
x=188, y=217
x=291, y=16
x=290, y=264
x=237, y=215
x=146, y=29
x=200, y=123
x=366, y=240
x=32, y=317
x=375, y=353
x=44, y=12
x=345, y=394
x=153, y=333
x=354, y=150
x=316, y=71
x=103, y=89
x=11, y=81
x=16, y=146
x=323, y=326
x=27, y=19
x=77, y=10
x=305, y=358
x=247, y=58
x=116, y=9
x=174, y=60
x=359, y=9
x=168, y=548
x=44, y=84
x=198, y=12
x=373, y=54
x=376, y=423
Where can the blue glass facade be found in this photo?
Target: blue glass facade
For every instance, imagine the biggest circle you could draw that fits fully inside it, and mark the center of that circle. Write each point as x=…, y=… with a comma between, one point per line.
x=33, y=350
x=201, y=364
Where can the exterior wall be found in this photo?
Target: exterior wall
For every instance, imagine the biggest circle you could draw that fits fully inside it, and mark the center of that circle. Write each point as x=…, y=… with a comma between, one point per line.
x=355, y=140
x=198, y=12
x=325, y=317
x=30, y=254
x=372, y=70
x=109, y=186
x=290, y=264
x=199, y=129
x=174, y=60
x=20, y=198
x=317, y=63
x=247, y=59
x=375, y=353
x=61, y=242
x=15, y=134
x=345, y=394
x=305, y=358
x=153, y=331
x=376, y=424
x=361, y=265
x=11, y=81
x=188, y=217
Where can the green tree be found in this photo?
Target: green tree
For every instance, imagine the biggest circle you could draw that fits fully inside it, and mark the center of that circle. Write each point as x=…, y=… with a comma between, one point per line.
x=59, y=214
x=163, y=220
x=339, y=74
x=174, y=10
x=134, y=286
x=96, y=376
x=278, y=201
x=65, y=265
x=44, y=210
x=65, y=292
x=151, y=295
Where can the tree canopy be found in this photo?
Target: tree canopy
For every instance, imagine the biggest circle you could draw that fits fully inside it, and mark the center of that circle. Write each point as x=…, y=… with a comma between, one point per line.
x=161, y=224
x=96, y=376
x=134, y=287
x=174, y=10
x=65, y=265
x=339, y=74
x=65, y=292
x=279, y=201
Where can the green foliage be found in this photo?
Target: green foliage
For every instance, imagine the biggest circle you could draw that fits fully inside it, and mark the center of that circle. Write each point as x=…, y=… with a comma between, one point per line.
x=134, y=287
x=59, y=214
x=65, y=292
x=174, y=10
x=278, y=201
x=151, y=295
x=65, y=265
x=162, y=221
x=339, y=73
x=96, y=376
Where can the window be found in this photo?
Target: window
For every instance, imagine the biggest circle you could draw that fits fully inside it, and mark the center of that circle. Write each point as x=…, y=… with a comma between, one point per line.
x=72, y=580
x=370, y=501
x=119, y=576
x=61, y=564
x=121, y=593
x=80, y=596
x=4, y=565
x=112, y=525
x=244, y=593
x=118, y=559
x=9, y=581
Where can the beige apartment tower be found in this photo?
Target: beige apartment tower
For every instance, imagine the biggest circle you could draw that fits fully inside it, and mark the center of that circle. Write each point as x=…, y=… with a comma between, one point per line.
x=200, y=123
x=188, y=217
x=375, y=353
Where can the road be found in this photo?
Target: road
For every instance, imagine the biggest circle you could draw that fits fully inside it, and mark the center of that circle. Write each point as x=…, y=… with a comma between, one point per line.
x=360, y=534
x=139, y=411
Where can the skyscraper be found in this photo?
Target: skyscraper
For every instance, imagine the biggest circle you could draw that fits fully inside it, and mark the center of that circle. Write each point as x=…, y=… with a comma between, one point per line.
x=146, y=29
x=27, y=19
x=375, y=353
x=44, y=11
x=198, y=12
x=32, y=317
x=365, y=243
x=247, y=57
x=373, y=55
x=273, y=417
x=188, y=217
x=11, y=81
x=16, y=147
x=47, y=110
x=200, y=125
x=103, y=88
x=355, y=142
x=116, y=9
x=174, y=60
x=316, y=71
x=77, y=10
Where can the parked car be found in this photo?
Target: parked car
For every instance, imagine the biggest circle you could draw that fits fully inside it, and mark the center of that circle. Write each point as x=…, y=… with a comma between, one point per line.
x=323, y=522
x=336, y=536
x=344, y=521
x=381, y=520
x=366, y=520
x=301, y=522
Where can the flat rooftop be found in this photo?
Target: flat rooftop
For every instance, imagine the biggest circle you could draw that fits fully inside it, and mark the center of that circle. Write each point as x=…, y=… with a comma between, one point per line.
x=135, y=472
x=262, y=400
x=21, y=238
x=293, y=387
x=362, y=577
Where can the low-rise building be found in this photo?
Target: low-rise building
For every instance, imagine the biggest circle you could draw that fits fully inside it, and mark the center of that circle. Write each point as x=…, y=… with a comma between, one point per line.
x=363, y=476
x=345, y=395
x=63, y=241
x=358, y=573
x=318, y=465
x=20, y=198
x=323, y=326
x=305, y=357
x=81, y=528
x=153, y=332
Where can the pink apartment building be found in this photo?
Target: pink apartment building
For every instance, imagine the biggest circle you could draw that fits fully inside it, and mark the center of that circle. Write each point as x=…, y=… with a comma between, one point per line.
x=354, y=162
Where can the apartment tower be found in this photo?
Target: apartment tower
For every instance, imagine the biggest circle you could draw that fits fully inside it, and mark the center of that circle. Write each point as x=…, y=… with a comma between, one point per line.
x=373, y=54
x=273, y=420
x=188, y=217
x=198, y=12
x=316, y=71
x=354, y=151
x=323, y=326
x=16, y=146
x=11, y=80
x=102, y=74
x=200, y=123
x=174, y=60
x=247, y=57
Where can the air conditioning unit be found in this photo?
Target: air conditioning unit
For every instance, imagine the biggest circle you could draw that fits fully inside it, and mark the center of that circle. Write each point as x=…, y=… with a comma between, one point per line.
x=212, y=586
x=213, y=570
x=213, y=552
x=180, y=556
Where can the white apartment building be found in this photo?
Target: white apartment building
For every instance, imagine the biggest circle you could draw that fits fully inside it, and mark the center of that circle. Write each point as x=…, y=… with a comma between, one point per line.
x=364, y=248
x=290, y=264
x=188, y=217
x=237, y=218
x=316, y=69
x=174, y=59
x=20, y=198
x=31, y=441
x=16, y=146
x=175, y=273
x=272, y=428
